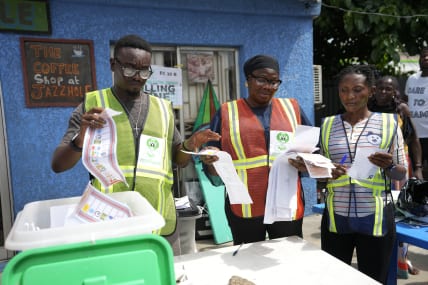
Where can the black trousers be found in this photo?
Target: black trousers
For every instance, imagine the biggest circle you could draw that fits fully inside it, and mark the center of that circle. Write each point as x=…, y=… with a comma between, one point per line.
x=248, y=230
x=373, y=253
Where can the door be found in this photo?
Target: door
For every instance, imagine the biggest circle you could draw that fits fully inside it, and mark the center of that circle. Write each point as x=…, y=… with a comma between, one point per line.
x=5, y=186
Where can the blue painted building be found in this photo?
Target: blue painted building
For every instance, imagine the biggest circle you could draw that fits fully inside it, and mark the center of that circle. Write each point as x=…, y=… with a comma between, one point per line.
x=282, y=28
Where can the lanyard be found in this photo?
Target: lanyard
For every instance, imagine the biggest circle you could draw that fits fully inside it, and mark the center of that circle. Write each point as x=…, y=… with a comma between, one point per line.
x=352, y=156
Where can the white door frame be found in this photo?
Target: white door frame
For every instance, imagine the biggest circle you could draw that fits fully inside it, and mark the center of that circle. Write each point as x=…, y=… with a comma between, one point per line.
x=6, y=202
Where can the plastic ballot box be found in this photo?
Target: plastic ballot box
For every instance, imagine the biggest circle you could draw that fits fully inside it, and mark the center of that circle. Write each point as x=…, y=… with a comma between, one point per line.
x=141, y=259
x=33, y=226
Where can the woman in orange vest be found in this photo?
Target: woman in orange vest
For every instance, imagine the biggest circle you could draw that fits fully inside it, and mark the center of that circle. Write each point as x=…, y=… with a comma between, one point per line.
x=247, y=126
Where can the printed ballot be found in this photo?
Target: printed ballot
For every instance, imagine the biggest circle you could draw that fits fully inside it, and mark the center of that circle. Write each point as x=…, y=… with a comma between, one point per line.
x=99, y=151
x=95, y=206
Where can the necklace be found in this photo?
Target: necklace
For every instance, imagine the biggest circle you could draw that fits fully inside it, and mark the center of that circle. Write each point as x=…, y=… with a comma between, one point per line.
x=134, y=123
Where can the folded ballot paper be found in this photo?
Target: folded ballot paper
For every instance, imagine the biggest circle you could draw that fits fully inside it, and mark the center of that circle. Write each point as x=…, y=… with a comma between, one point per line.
x=93, y=206
x=318, y=166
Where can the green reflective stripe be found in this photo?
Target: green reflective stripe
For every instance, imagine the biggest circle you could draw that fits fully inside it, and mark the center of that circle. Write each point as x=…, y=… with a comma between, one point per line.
x=376, y=183
x=377, y=228
x=165, y=126
x=325, y=135
x=97, y=184
x=330, y=208
x=249, y=163
x=289, y=110
x=168, y=177
x=388, y=130
x=246, y=208
x=234, y=130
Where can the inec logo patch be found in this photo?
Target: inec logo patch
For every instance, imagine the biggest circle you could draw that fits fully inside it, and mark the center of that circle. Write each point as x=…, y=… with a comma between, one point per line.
x=282, y=138
x=152, y=144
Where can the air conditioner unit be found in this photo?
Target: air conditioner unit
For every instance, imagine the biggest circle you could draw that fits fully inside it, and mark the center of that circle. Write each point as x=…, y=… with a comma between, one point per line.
x=317, y=84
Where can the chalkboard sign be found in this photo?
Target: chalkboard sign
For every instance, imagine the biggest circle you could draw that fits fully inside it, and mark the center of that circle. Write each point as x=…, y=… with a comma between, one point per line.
x=57, y=72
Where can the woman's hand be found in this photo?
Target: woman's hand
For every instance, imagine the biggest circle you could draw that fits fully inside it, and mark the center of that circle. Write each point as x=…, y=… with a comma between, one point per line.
x=338, y=171
x=298, y=163
x=381, y=159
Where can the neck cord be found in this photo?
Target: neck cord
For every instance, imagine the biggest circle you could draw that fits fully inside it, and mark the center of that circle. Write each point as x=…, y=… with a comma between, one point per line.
x=134, y=123
x=351, y=157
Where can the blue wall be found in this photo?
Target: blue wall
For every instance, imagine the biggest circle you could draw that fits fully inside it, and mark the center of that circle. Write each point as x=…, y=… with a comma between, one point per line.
x=282, y=28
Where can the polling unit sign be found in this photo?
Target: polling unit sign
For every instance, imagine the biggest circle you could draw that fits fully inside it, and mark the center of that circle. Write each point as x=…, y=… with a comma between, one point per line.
x=57, y=72
x=166, y=83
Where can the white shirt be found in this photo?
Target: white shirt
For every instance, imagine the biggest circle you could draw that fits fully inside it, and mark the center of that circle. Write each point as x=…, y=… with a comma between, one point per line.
x=417, y=91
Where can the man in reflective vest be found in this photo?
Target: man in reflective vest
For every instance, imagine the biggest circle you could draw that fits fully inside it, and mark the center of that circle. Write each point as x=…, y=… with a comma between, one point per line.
x=144, y=118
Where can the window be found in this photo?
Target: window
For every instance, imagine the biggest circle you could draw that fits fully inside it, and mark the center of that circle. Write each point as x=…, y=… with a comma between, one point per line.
x=223, y=64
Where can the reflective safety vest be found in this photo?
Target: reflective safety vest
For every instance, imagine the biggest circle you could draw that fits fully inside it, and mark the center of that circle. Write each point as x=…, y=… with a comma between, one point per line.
x=153, y=183
x=376, y=183
x=243, y=137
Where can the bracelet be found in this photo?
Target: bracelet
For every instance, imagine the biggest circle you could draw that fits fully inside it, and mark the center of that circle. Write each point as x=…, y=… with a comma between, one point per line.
x=418, y=165
x=73, y=145
x=184, y=146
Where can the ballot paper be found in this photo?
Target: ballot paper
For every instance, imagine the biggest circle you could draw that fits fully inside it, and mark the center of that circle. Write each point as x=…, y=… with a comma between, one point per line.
x=99, y=151
x=236, y=189
x=95, y=206
x=318, y=166
x=305, y=139
x=361, y=167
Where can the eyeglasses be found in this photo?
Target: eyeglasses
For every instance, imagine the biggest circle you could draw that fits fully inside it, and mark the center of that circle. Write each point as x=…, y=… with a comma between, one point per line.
x=128, y=71
x=263, y=81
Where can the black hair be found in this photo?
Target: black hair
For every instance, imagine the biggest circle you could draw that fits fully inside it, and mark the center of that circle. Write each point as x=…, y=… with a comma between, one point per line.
x=393, y=107
x=258, y=62
x=133, y=41
x=367, y=70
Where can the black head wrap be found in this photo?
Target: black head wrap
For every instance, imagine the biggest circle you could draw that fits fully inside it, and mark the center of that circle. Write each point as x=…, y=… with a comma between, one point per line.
x=258, y=62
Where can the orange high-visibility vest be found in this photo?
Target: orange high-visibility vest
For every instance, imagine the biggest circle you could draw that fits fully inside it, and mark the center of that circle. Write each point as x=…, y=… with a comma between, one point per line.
x=243, y=138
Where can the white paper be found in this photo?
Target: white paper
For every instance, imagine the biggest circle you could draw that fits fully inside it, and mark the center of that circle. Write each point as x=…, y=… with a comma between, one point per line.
x=62, y=215
x=182, y=202
x=318, y=166
x=361, y=167
x=305, y=139
x=236, y=189
x=281, y=199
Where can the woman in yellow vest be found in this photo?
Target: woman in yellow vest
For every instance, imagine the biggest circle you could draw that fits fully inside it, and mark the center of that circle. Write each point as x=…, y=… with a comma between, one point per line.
x=144, y=121
x=387, y=99
x=359, y=213
x=247, y=127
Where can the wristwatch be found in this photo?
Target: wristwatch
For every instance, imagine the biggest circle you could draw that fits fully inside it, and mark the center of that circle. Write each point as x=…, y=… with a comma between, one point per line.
x=73, y=143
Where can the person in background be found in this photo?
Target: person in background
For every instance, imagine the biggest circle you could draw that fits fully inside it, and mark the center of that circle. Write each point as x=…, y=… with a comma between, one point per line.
x=416, y=91
x=140, y=113
x=387, y=99
x=359, y=213
x=246, y=127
